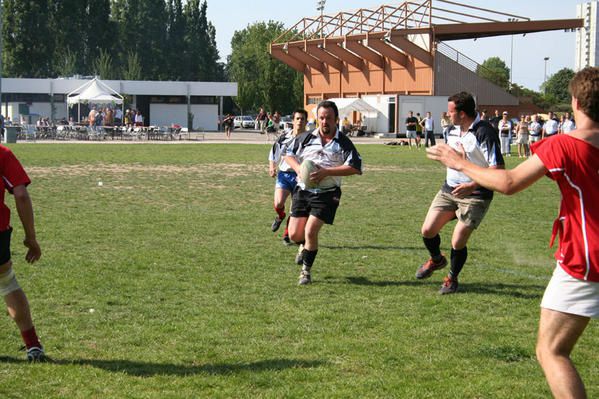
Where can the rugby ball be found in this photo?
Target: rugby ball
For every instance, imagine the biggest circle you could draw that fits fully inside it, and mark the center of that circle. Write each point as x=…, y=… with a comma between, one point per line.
x=306, y=168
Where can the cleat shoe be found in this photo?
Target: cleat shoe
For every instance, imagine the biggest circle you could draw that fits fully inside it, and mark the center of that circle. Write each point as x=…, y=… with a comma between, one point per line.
x=36, y=355
x=276, y=224
x=450, y=286
x=305, y=278
x=427, y=268
x=299, y=258
x=287, y=241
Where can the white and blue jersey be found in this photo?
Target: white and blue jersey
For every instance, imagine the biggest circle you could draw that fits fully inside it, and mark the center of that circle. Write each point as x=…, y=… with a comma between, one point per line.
x=339, y=151
x=482, y=147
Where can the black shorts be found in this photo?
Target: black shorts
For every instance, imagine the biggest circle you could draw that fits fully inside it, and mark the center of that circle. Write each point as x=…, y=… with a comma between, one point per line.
x=321, y=205
x=5, y=245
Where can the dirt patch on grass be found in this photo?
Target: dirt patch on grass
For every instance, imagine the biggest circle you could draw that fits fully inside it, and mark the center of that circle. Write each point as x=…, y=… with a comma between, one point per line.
x=226, y=169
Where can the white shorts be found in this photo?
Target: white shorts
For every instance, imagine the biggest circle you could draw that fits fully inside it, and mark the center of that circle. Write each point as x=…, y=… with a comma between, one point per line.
x=567, y=294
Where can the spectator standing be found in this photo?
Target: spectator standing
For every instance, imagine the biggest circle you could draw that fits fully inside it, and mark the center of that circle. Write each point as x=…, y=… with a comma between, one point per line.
x=551, y=126
x=428, y=126
x=505, y=134
x=262, y=120
x=522, y=136
x=139, y=119
x=445, y=125
x=568, y=124
x=118, y=117
x=535, y=129
x=411, y=123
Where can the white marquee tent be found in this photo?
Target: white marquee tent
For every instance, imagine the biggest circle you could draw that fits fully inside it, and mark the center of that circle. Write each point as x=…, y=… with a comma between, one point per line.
x=94, y=92
x=348, y=105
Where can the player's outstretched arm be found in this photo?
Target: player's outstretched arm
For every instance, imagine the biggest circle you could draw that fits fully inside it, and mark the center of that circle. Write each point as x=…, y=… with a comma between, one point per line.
x=25, y=211
x=504, y=181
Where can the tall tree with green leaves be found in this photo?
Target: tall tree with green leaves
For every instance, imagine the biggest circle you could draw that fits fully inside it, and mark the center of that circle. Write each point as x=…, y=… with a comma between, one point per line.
x=262, y=80
x=494, y=70
x=132, y=69
x=68, y=24
x=176, y=46
x=556, y=86
x=102, y=65
x=28, y=44
x=98, y=32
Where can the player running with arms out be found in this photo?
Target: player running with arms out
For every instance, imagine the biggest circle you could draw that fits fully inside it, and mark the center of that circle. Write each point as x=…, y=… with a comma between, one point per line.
x=316, y=197
x=15, y=181
x=460, y=197
x=572, y=296
x=286, y=176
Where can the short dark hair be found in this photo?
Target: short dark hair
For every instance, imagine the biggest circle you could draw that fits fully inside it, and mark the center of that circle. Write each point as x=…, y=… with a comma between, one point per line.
x=300, y=111
x=464, y=102
x=330, y=105
x=584, y=87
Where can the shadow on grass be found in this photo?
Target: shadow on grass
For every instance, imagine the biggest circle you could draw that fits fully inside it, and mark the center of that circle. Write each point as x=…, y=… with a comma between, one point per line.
x=524, y=291
x=377, y=247
x=143, y=369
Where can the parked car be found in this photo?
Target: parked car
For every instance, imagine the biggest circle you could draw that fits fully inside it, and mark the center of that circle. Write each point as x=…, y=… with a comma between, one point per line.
x=245, y=122
x=286, y=123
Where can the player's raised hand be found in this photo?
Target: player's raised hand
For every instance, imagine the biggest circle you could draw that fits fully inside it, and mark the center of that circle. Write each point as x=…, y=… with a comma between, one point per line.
x=446, y=155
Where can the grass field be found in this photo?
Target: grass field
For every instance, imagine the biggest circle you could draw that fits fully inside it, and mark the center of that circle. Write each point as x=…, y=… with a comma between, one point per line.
x=166, y=282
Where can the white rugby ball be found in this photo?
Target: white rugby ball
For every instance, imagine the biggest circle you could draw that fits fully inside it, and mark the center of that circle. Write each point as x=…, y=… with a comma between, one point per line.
x=306, y=168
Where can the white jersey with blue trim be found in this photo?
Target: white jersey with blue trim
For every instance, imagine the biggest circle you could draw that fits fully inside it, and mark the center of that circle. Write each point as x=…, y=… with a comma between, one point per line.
x=279, y=149
x=480, y=147
x=339, y=151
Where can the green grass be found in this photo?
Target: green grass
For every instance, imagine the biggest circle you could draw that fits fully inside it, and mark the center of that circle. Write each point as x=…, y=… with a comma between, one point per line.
x=193, y=296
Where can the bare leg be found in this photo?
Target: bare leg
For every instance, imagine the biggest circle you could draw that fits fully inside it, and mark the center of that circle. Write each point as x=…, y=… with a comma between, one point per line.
x=17, y=304
x=313, y=227
x=558, y=333
x=434, y=221
x=280, y=198
x=297, y=227
x=460, y=236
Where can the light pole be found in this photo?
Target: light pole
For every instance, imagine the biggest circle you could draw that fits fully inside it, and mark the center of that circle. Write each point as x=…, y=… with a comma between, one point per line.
x=320, y=8
x=545, y=78
x=512, y=55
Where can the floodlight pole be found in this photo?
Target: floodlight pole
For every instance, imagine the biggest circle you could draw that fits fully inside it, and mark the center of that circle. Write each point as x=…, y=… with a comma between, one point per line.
x=511, y=56
x=320, y=8
x=545, y=76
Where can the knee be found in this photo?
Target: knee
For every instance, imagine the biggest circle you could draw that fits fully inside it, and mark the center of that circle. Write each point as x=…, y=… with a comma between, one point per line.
x=428, y=232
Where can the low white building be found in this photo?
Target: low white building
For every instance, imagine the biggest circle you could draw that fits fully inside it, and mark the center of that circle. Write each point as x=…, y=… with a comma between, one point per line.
x=161, y=103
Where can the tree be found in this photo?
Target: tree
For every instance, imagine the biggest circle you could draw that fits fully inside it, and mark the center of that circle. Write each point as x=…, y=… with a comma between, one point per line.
x=175, y=38
x=102, y=65
x=557, y=85
x=27, y=41
x=132, y=71
x=69, y=37
x=494, y=70
x=262, y=80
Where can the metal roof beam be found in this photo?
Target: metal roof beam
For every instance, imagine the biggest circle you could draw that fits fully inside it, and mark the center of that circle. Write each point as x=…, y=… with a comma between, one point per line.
x=282, y=56
x=306, y=58
x=365, y=52
x=329, y=59
x=344, y=55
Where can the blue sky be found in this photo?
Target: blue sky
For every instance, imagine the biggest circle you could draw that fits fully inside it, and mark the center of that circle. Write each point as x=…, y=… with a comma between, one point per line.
x=528, y=51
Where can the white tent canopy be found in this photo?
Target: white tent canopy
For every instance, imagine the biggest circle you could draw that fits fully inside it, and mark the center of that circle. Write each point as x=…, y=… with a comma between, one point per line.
x=348, y=105
x=95, y=92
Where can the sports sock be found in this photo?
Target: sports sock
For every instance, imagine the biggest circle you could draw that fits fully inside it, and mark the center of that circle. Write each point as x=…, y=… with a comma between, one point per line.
x=458, y=259
x=308, y=259
x=434, y=247
x=280, y=212
x=30, y=338
x=286, y=232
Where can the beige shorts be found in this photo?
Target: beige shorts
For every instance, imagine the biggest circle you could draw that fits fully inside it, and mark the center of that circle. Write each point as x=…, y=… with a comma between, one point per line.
x=470, y=211
x=567, y=294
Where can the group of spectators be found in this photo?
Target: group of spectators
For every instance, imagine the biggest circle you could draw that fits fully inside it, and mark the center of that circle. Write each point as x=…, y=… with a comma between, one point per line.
x=114, y=117
x=528, y=129
x=267, y=122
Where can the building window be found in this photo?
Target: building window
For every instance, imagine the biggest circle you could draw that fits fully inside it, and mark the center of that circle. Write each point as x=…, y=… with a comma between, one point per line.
x=314, y=100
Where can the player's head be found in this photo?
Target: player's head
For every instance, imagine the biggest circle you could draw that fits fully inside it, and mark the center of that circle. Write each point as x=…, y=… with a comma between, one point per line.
x=328, y=115
x=584, y=88
x=300, y=118
x=461, y=106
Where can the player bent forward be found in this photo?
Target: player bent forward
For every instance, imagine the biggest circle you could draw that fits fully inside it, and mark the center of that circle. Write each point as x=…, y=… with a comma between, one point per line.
x=15, y=181
x=572, y=296
x=336, y=156
x=286, y=176
x=460, y=197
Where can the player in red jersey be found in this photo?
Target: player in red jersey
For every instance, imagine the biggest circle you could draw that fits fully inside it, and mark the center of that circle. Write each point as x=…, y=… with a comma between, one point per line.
x=572, y=296
x=15, y=181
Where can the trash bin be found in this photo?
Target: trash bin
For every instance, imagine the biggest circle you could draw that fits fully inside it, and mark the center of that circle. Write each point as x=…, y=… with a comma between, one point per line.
x=10, y=134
